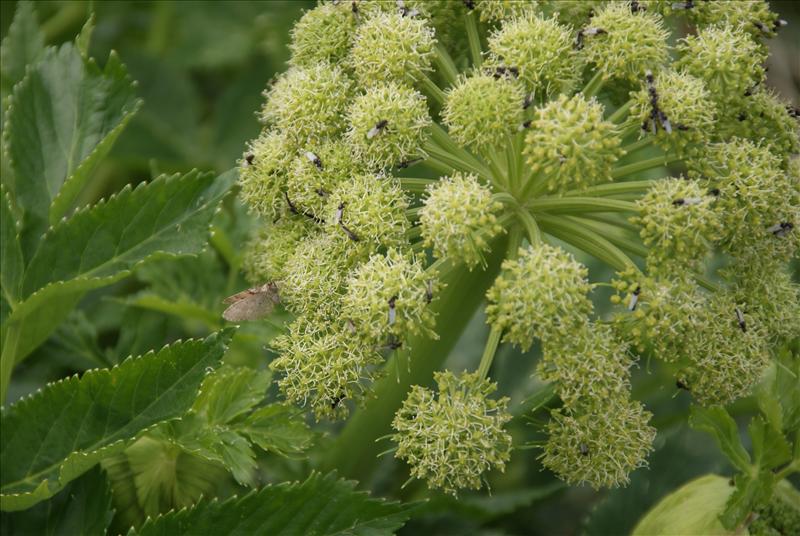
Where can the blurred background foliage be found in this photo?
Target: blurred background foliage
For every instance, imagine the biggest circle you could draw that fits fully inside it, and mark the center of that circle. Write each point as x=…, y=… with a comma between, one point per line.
x=201, y=67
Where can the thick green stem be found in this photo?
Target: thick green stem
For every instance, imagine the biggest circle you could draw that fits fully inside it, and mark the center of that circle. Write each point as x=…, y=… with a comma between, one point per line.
x=621, y=113
x=644, y=165
x=587, y=240
x=571, y=205
x=354, y=451
x=445, y=64
x=612, y=189
x=416, y=185
x=614, y=234
x=471, y=23
x=647, y=141
x=594, y=85
x=489, y=351
x=447, y=159
x=531, y=227
x=445, y=142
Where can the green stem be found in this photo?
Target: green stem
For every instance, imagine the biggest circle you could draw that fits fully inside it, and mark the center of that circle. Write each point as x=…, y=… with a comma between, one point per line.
x=569, y=205
x=448, y=160
x=445, y=142
x=621, y=113
x=612, y=218
x=489, y=351
x=594, y=85
x=416, y=185
x=474, y=39
x=644, y=165
x=8, y=357
x=431, y=89
x=354, y=449
x=498, y=173
x=614, y=234
x=531, y=227
x=587, y=240
x=612, y=189
x=445, y=64
x=505, y=197
x=641, y=143
x=413, y=213
x=511, y=162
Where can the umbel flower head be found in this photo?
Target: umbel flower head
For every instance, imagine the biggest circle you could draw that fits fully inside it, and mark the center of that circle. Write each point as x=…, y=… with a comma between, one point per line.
x=411, y=142
x=450, y=438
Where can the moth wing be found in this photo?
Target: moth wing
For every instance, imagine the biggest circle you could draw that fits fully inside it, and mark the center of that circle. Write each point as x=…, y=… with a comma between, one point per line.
x=239, y=296
x=256, y=305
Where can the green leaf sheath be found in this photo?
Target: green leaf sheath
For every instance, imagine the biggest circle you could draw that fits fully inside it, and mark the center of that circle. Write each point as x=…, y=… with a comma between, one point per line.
x=321, y=505
x=63, y=118
x=103, y=244
x=717, y=422
x=62, y=431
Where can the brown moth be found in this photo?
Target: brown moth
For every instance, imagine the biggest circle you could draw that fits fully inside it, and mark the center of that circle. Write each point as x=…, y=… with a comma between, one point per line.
x=251, y=304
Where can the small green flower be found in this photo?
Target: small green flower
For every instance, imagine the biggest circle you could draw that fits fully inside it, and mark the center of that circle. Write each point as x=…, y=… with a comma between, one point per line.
x=453, y=439
x=458, y=218
x=323, y=366
x=542, y=51
x=481, y=111
x=323, y=34
x=387, y=299
x=600, y=446
x=308, y=103
x=502, y=10
x=571, y=144
x=262, y=174
x=630, y=42
x=542, y=293
x=678, y=224
x=388, y=125
x=391, y=48
x=753, y=17
x=266, y=253
x=727, y=59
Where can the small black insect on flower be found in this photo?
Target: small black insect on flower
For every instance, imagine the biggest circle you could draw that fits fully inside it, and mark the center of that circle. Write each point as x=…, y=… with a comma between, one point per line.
x=781, y=229
x=740, y=320
x=584, y=449
x=377, y=129
x=634, y=298
x=314, y=159
x=348, y=232
x=249, y=158
x=657, y=116
x=586, y=32
x=392, y=310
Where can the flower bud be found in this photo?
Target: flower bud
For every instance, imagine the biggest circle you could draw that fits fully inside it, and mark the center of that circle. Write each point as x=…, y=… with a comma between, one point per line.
x=678, y=222
x=323, y=366
x=323, y=34
x=266, y=253
x=388, y=124
x=599, y=446
x=571, y=144
x=542, y=293
x=262, y=174
x=391, y=48
x=541, y=50
x=453, y=439
x=308, y=103
x=366, y=212
x=502, y=10
x=458, y=218
x=387, y=299
x=577, y=14
x=481, y=111
x=631, y=42
x=753, y=17
x=727, y=59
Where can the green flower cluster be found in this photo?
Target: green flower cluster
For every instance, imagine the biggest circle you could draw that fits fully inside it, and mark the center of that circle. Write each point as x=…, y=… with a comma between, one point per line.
x=410, y=142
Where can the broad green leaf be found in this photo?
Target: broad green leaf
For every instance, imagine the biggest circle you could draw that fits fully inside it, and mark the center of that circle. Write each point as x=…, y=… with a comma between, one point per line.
x=11, y=264
x=62, y=431
x=181, y=307
x=23, y=45
x=168, y=216
x=230, y=393
x=321, y=505
x=63, y=118
x=153, y=476
x=750, y=491
x=717, y=422
x=770, y=448
x=278, y=428
x=84, y=38
x=83, y=509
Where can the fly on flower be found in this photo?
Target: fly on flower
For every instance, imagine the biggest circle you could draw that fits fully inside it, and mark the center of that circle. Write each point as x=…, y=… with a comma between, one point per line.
x=377, y=129
x=314, y=159
x=251, y=304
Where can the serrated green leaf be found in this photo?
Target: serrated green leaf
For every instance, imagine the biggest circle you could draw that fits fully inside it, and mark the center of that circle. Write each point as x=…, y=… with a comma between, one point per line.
x=154, y=476
x=62, y=118
x=770, y=448
x=23, y=45
x=321, y=505
x=750, y=490
x=717, y=422
x=84, y=509
x=278, y=428
x=84, y=38
x=231, y=392
x=62, y=431
x=168, y=216
x=11, y=264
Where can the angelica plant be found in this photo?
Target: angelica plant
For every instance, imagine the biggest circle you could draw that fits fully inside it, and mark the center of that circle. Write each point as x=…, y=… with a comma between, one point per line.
x=398, y=159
